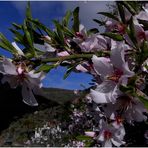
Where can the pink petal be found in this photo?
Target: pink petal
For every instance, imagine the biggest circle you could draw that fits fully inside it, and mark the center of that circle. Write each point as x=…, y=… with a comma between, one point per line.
x=102, y=66
x=63, y=53
x=28, y=96
x=117, y=54
x=9, y=67
x=90, y=134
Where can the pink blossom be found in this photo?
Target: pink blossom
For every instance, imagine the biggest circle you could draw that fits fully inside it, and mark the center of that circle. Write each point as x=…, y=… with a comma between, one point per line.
x=19, y=75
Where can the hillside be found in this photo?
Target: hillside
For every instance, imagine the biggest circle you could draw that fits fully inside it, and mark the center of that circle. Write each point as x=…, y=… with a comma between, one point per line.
x=17, y=116
x=12, y=107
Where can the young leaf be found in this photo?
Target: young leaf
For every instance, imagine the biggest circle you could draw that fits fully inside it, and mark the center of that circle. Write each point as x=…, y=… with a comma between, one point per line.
x=17, y=27
x=59, y=28
x=18, y=36
x=42, y=27
x=4, y=43
x=109, y=15
x=126, y=89
x=28, y=11
x=68, y=32
x=99, y=22
x=76, y=21
x=83, y=137
x=46, y=68
x=93, y=30
x=66, y=18
x=143, y=98
x=28, y=38
x=121, y=12
x=114, y=36
x=69, y=70
x=128, y=6
x=131, y=32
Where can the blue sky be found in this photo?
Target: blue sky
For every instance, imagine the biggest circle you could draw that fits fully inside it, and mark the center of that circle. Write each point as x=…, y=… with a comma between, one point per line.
x=13, y=11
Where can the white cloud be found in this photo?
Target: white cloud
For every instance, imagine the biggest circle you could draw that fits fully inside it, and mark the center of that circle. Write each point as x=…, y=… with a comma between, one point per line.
x=88, y=10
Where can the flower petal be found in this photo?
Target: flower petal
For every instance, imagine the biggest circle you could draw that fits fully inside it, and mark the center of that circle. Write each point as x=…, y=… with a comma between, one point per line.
x=105, y=92
x=106, y=86
x=102, y=66
x=127, y=71
x=46, y=47
x=12, y=80
x=108, y=143
x=9, y=67
x=99, y=97
x=101, y=136
x=90, y=134
x=143, y=15
x=20, y=52
x=117, y=54
x=82, y=30
x=28, y=97
x=81, y=68
x=62, y=54
x=117, y=142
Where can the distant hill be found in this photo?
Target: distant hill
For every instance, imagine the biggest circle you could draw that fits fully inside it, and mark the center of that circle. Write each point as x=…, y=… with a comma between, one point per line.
x=12, y=107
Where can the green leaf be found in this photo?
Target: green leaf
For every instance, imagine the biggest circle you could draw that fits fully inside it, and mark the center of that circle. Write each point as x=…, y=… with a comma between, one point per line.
x=101, y=23
x=28, y=38
x=128, y=6
x=121, y=12
x=17, y=27
x=66, y=18
x=46, y=68
x=93, y=30
x=76, y=20
x=42, y=27
x=126, y=89
x=28, y=11
x=68, y=32
x=114, y=36
x=83, y=137
x=68, y=72
x=135, y=5
x=59, y=28
x=131, y=32
x=143, y=98
x=109, y=15
x=18, y=36
x=4, y=43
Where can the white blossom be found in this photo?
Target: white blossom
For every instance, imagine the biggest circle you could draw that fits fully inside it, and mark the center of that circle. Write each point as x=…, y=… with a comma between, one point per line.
x=19, y=75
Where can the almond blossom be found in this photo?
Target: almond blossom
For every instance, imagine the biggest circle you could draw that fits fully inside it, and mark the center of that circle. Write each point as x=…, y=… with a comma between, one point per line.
x=19, y=74
x=81, y=35
x=90, y=43
x=128, y=108
x=108, y=134
x=141, y=34
x=93, y=43
x=113, y=71
x=143, y=15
